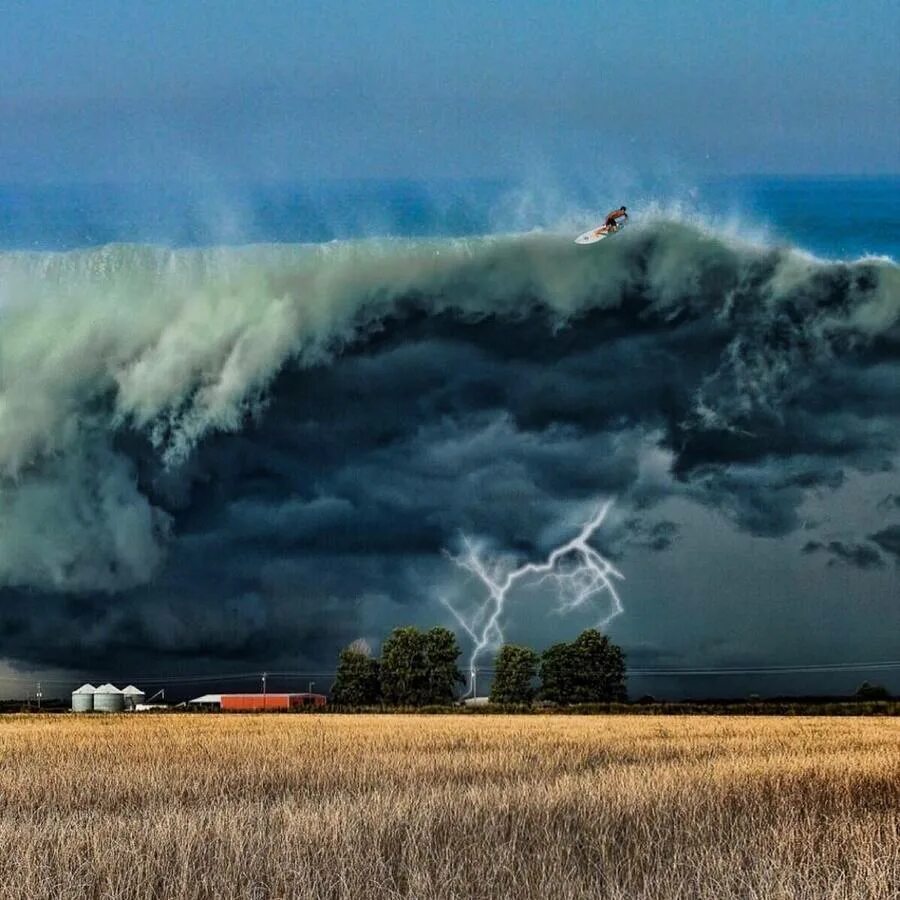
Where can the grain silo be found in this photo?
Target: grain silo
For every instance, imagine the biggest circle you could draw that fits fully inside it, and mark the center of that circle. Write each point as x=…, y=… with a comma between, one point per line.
x=83, y=698
x=108, y=698
x=133, y=696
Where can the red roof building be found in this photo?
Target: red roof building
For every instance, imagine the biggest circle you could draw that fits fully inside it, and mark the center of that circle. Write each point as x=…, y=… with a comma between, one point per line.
x=266, y=702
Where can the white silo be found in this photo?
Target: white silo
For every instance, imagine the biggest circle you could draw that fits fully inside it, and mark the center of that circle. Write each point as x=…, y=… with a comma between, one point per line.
x=108, y=698
x=83, y=698
x=133, y=696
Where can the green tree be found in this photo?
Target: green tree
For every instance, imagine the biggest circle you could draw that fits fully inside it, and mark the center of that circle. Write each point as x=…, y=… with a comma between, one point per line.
x=404, y=672
x=868, y=691
x=419, y=668
x=589, y=670
x=516, y=669
x=599, y=675
x=558, y=674
x=441, y=654
x=358, y=681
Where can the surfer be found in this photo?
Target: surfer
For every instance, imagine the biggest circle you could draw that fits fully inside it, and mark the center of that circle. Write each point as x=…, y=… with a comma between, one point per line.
x=610, y=224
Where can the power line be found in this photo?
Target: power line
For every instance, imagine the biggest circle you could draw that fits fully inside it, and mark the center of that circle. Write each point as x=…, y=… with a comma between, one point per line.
x=173, y=679
x=889, y=665
x=642, y=671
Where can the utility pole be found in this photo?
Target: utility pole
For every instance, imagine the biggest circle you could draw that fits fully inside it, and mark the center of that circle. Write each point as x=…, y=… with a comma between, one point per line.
x=264, y=674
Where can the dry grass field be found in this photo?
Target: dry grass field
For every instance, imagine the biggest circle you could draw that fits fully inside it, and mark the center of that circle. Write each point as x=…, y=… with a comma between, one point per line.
x=449, y=806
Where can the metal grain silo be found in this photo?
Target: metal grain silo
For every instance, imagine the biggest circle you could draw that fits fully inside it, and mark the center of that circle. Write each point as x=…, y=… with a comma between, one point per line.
x=133, y=696
x=108, y=698
x=83, y=698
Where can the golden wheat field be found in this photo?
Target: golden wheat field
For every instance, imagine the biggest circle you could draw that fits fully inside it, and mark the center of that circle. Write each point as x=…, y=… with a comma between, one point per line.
x=304, y=806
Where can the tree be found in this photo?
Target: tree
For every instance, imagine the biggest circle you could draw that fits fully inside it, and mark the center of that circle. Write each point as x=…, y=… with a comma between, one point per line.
x=404, y=674
x=419, y=668
x=516, y=669
x=589, y=670
x=358, y=677
x=599, y=675
x=441, y=653
x=868, y=691
x=558, y=674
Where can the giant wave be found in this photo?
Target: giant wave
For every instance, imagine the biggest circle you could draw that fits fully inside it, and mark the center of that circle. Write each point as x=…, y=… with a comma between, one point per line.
x=191, y=439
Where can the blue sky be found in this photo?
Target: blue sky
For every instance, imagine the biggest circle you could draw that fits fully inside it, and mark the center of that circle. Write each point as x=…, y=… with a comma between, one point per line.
x=120, y=91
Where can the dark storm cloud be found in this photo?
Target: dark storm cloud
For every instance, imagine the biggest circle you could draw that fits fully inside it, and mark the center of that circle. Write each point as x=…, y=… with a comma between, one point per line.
x=889, y=540
x=863, y=556
x=270, y=453
x=651, y=535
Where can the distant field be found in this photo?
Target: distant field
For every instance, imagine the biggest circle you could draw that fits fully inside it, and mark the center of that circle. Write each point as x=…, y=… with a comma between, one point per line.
x=449, y=807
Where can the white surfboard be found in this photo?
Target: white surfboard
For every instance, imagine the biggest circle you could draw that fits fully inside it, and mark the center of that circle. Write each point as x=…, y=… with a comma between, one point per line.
x=596, y=234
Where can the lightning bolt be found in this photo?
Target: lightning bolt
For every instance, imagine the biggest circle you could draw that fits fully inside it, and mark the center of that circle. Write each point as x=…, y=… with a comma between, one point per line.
x=577, y=571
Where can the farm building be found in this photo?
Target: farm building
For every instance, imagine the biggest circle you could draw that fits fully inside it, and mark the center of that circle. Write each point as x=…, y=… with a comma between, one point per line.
x=107, y=698
x=258, y=702
x=83, y=698
x=133, y=697
x=207, y=701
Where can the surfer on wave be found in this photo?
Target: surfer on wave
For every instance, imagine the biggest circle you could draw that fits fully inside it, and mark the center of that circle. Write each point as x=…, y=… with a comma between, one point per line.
x=610, y=223
x=610, y=226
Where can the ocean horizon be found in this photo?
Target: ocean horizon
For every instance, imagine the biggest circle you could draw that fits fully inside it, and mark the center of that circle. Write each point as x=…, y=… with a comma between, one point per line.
x=840, y=217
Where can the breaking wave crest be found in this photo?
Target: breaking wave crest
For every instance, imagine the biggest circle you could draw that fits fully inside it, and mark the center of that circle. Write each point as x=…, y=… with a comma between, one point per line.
x=188, y=341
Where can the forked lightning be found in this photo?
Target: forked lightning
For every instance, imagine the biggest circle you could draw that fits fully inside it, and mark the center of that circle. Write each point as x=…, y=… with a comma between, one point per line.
x=578, y=572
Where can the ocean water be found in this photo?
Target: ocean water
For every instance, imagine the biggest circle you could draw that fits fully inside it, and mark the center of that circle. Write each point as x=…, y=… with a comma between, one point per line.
x=832, y=217
x=836, y=217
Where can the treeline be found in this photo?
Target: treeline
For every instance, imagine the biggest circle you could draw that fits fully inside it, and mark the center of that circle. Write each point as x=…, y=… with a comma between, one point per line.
x=416, y=668
x=421, y=668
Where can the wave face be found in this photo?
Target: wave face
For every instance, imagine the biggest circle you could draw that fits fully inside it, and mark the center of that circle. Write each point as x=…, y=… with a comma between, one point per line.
x=225, y=453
